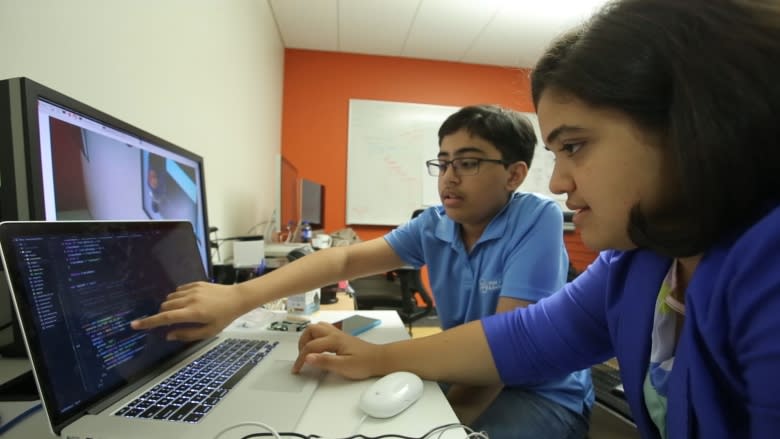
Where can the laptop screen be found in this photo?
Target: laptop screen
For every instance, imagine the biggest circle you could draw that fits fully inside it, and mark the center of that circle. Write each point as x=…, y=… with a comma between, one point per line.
x=78, y=285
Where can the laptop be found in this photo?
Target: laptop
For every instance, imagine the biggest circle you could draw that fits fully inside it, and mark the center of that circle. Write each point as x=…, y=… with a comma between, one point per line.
x=76, y=287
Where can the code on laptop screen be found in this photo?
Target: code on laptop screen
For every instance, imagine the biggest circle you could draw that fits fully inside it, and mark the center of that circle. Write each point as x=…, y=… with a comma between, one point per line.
x=83, y=292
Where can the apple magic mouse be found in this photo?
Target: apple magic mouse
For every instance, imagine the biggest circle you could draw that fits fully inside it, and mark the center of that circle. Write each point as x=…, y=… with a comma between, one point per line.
x=391, y=394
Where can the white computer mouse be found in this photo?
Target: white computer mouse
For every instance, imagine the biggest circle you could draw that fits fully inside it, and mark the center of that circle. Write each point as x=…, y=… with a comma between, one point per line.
x=391, y=394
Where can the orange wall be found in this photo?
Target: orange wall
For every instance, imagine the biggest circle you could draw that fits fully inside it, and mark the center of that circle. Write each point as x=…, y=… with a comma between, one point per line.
x=319, y=85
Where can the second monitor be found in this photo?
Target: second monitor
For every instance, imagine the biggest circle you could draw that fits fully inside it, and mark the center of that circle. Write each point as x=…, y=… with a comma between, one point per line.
x=313, y=203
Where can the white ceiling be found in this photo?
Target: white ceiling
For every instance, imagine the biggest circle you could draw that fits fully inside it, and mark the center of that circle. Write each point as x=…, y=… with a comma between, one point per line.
x=494, y=32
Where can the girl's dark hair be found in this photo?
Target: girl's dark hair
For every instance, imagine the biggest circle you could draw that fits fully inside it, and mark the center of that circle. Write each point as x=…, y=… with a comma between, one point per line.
x=509, y=131
x=702, y=74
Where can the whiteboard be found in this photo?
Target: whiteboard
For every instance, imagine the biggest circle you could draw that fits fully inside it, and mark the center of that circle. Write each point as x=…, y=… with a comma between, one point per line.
x=388, y=144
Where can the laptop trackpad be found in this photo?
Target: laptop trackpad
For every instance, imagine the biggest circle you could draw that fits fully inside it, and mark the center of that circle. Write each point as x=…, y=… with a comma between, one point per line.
x=278, y=378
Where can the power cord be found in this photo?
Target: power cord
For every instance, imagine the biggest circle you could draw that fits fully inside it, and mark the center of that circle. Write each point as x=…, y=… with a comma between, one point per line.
x=18, y=418
x=471, y=434
x=437, y=432
x=271, y=431
x=357, y=427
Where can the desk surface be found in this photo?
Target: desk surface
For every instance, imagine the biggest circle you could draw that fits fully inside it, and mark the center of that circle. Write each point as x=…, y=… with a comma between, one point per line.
x=333, y=410
x=344, y=302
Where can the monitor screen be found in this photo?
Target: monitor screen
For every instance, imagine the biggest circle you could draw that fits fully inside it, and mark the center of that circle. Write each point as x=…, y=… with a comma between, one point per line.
x=312, y=203
x=93, y=171
x=61, y=159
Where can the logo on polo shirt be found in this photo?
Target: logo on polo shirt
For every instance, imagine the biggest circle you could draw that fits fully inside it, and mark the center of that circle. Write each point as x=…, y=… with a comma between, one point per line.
x=488, y=286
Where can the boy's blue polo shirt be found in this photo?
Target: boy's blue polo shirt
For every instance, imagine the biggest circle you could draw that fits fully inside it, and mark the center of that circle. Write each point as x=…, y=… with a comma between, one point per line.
x=520, y=255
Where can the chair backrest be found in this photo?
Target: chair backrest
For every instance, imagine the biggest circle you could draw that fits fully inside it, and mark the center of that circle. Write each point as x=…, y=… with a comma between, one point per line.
x=573, y=273
x=411, y=286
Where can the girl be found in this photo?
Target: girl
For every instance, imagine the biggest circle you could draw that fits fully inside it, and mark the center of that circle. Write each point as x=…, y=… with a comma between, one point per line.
x=663, y=118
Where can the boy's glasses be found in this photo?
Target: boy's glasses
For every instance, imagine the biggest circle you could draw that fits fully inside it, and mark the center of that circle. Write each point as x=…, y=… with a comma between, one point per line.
x=462, y=166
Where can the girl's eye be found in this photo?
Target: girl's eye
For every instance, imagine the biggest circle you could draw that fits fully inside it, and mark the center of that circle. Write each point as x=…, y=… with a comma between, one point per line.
x=571, y=148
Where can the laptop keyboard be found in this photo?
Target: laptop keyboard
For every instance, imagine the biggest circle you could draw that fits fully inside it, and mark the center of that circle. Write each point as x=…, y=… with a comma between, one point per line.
x=189, y=394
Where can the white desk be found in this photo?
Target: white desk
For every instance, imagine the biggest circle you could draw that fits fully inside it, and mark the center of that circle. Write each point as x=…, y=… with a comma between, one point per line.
x=333, y=410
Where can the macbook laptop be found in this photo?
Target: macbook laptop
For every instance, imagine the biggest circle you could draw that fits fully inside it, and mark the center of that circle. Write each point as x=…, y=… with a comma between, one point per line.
x=76, y=287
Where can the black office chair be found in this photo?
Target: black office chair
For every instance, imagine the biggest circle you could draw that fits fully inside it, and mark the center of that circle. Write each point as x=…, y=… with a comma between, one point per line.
x=572, y=273
x=397, y=290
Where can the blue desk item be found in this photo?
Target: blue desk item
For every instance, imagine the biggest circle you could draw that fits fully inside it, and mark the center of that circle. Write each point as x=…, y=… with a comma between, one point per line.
x=18, y=418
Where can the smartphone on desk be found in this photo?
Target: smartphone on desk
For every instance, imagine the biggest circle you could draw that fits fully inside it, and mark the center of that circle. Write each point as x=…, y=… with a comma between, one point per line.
x=357, y=324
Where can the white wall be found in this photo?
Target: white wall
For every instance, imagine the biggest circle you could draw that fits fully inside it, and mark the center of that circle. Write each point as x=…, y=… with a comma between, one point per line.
x=206, y=75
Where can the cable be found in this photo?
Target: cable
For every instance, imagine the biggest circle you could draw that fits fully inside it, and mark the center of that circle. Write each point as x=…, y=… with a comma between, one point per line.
x=429, y=435
x=216, y=243
x=360, y=423
x=18, y=418
x=268, y=428
x=268, y=223
x=444, y=428
x=285, y=434
x=436, y=432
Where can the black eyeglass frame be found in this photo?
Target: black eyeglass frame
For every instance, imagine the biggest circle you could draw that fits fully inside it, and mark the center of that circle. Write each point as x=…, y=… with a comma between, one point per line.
x=440, y=166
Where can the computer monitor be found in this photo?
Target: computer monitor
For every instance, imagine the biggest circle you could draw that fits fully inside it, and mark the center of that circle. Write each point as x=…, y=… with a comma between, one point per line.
x=61, y=159
x=313, y=203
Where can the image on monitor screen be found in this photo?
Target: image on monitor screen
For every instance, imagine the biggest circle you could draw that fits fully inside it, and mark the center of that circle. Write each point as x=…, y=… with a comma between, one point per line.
x=169, y=188
x=94, y=172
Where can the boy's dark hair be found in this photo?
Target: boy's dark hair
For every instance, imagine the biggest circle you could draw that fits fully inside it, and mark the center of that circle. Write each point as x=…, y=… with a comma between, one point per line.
x=509, y=131
x=703, y=75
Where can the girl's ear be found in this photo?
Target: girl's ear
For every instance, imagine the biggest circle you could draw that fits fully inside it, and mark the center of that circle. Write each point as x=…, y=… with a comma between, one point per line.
x=517, y=173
